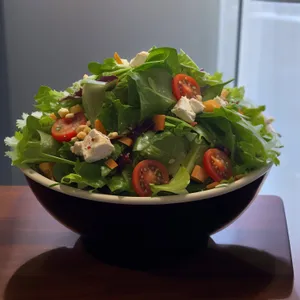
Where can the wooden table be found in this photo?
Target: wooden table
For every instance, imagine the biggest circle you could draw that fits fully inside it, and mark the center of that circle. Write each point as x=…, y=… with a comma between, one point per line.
x=41, y=259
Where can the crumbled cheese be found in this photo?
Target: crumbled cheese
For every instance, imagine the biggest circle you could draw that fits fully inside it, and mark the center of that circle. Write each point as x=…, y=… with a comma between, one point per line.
x=196, y=105
x=94, y=147
x=139, y=59
x=220, y=101
x=184, y=110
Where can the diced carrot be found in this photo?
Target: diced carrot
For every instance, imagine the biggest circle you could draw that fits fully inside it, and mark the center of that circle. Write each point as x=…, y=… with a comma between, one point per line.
x=210, y=105
x=126, y=141
x=199, y=174
x=118, y=58
x=193, y=124
x=224, y=93
x=212, y=185
x=159, y=122
x=111, y=163
x=237, y=177
x=99, y=126
x=47, y=169
x=53, y=116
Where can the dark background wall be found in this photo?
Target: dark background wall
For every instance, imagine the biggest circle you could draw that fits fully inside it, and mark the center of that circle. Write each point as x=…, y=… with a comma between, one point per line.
x=5, y=118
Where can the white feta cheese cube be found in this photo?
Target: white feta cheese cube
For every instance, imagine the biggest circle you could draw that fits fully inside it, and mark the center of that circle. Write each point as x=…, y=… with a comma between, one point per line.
x=183, y=110
x=220, y=101
x=196, y=105
x=139, y=59
x=94, y=147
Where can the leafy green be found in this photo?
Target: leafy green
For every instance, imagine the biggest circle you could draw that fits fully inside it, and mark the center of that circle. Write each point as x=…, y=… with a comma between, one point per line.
x=151, y=91
x=165, y=57
x=90, y=174
x=82, y=182
x=47, y=100
x=215, y=90
x=60, y=170
x=116, y=116
x=157, y=146
x=235, y=94
x=182, y=128
x=121, y=183
x=194, y=156
x=93, y=97
x=128, y=116
x=177, y=184
x=65, y=152
x=109, y=67
x=34, y=145
x=233, y=130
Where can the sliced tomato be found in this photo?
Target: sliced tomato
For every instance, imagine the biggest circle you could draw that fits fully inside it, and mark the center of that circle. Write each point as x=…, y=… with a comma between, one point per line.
x=146, y=172
x=64, y=129
x=184, y=85
x=217, y=164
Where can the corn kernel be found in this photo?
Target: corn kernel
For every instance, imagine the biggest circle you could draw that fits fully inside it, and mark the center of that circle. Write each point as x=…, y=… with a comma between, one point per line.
x=85, y=76
x=63, y=112
x=80, y=128
x=87, y=129
x=76, y=109
x=69, y=116
x=88, y=123
x=81, y=135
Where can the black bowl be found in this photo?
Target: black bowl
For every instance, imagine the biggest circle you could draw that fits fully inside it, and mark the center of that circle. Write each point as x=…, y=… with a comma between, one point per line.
x=180, y=220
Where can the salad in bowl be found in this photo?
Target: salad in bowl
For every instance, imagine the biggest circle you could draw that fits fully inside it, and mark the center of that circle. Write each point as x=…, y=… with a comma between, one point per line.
x=156, y=125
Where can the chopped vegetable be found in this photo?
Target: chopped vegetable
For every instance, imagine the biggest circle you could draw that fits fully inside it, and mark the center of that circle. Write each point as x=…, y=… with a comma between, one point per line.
x=159, y=122
x=199, y=174
x=99, y=126
x=118, y=58
x=212, y=185
x=111, y=163
x=126, y=141
x=210, y=105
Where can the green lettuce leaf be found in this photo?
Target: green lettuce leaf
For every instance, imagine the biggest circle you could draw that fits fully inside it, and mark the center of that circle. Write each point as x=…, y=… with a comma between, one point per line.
x=82, y=182
x=93, y=97
x=107, y=68
x=194, y=156
x=215, y=90
x=165, y=57
x=34, y=145
x=121, y=183
x=151, y=91
x=157, y=147
x=233, y=130
x=116, y=116
x=177, y=184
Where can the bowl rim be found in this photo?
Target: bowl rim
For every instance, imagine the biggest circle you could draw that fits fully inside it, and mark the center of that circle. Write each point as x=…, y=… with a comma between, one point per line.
x=134, y=200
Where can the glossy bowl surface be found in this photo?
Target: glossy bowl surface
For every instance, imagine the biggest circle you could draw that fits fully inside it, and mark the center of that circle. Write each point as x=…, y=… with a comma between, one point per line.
x=179, y=219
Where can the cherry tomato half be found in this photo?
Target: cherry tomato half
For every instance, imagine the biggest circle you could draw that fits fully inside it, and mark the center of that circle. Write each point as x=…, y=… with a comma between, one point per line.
x=64, y=129
x=146, y=172
x=184, y=85
x=217, y=164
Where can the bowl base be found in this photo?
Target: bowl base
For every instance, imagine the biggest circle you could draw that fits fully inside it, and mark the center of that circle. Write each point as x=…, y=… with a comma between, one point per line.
x=133, y=252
